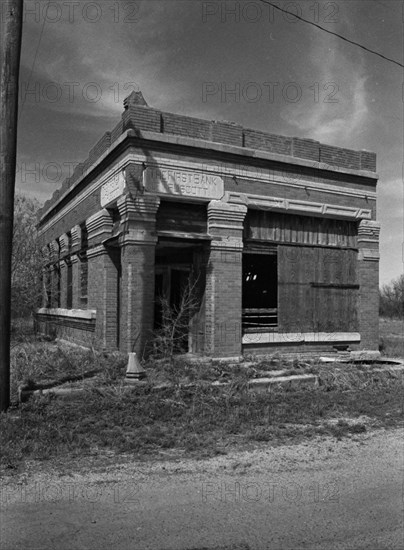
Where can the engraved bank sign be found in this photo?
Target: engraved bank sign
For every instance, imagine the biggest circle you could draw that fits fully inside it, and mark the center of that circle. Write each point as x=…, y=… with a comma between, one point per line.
x=184, y=183
x=112, y=189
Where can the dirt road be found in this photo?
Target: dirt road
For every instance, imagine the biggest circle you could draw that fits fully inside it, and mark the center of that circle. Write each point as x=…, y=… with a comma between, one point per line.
x=321, y=494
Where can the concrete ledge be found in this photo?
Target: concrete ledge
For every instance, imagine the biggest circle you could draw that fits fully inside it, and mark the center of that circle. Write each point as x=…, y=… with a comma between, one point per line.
x=261, y=385
x=75, y=313
x=24, y=395
x=299, y=337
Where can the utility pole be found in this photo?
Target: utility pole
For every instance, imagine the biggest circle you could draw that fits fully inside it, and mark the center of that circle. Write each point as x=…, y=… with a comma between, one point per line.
x=10, y=51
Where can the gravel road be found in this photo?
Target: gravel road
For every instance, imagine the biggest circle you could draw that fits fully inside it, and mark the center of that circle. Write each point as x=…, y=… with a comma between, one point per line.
x=319, y=494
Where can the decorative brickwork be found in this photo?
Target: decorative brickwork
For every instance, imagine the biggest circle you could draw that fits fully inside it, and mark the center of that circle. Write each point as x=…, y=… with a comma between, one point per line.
x=224, y=279
x=138, y=242
x=368, y=272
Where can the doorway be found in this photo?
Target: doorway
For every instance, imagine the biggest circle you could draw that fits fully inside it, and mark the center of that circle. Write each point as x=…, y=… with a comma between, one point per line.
x=173, y=274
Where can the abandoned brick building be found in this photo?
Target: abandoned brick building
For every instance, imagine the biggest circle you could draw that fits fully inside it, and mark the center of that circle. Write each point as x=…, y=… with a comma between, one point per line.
x=277, y=234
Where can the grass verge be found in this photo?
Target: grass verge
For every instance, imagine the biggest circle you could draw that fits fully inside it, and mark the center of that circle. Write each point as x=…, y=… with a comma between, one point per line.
x=200, y=420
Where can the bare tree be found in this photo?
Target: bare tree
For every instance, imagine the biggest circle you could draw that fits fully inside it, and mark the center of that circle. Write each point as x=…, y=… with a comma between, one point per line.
x=27, y=258
x=392, y=299
x=169, y=339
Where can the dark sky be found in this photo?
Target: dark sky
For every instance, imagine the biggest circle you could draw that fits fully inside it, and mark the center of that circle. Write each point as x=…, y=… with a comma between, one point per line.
x=186, y=56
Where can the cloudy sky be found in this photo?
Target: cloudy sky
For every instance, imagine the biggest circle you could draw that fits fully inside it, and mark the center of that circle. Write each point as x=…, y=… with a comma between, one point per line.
x=234, y=60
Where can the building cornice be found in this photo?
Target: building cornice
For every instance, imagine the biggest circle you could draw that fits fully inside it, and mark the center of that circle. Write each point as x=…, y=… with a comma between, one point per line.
x=163, y=140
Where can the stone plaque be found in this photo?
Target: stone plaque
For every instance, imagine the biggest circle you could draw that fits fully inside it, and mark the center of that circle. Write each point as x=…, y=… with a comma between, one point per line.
x=112, y=189
x=183, y=182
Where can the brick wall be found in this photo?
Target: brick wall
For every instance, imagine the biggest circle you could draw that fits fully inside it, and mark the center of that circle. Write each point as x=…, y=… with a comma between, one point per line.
x=368, y=274
x=223, y=303
x=77, y=331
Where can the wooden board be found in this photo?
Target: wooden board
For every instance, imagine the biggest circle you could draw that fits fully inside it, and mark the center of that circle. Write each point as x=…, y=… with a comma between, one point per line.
x=318, y=289
x=182, y=217
x=289, y=228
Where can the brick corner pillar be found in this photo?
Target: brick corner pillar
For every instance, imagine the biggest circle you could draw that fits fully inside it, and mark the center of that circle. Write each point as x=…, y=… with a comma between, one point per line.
x=101, y=280
x=138, y=245
x=224, y=280
x=368, y=274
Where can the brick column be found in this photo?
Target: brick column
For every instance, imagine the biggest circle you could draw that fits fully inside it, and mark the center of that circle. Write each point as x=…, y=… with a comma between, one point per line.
x=102, y=280
x=54, y=258
x=368, y=275
x=63, y=284
x=46, y=281
x=76, y=245
x=63, y=251
x=224, y=280
x=138, y=243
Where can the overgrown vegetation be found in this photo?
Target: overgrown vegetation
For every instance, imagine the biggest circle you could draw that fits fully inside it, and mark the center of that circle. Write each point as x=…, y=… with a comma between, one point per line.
x=27, y=259
x=171, y=337
x=192, y=416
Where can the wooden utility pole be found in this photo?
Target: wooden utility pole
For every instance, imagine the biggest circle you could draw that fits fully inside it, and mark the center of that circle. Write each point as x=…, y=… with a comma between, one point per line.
x=10, y=51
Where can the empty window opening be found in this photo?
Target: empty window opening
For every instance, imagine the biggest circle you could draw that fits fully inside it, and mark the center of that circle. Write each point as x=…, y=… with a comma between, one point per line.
x=172, y=310
x=260, y=292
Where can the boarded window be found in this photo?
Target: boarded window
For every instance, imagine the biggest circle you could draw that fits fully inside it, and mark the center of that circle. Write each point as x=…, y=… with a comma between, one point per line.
x=318, y=289
x=181, y=217
x=289, y=228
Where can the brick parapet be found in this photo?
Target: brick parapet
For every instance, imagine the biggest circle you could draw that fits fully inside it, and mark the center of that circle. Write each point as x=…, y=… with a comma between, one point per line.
x=141, y=118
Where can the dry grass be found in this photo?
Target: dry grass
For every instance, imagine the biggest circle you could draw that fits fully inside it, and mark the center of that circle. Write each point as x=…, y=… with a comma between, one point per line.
x=197, y=419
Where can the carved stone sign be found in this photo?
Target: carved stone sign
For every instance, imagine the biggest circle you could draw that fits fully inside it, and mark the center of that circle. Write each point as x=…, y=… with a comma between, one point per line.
x=112, y=189
x=183, y=182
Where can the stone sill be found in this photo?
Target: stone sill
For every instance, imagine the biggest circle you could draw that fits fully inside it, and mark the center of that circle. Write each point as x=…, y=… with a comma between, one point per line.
x=70, y=313
x=300, y=337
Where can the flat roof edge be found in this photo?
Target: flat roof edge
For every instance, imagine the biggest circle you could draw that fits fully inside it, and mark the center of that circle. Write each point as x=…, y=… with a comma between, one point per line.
x=197, y=143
